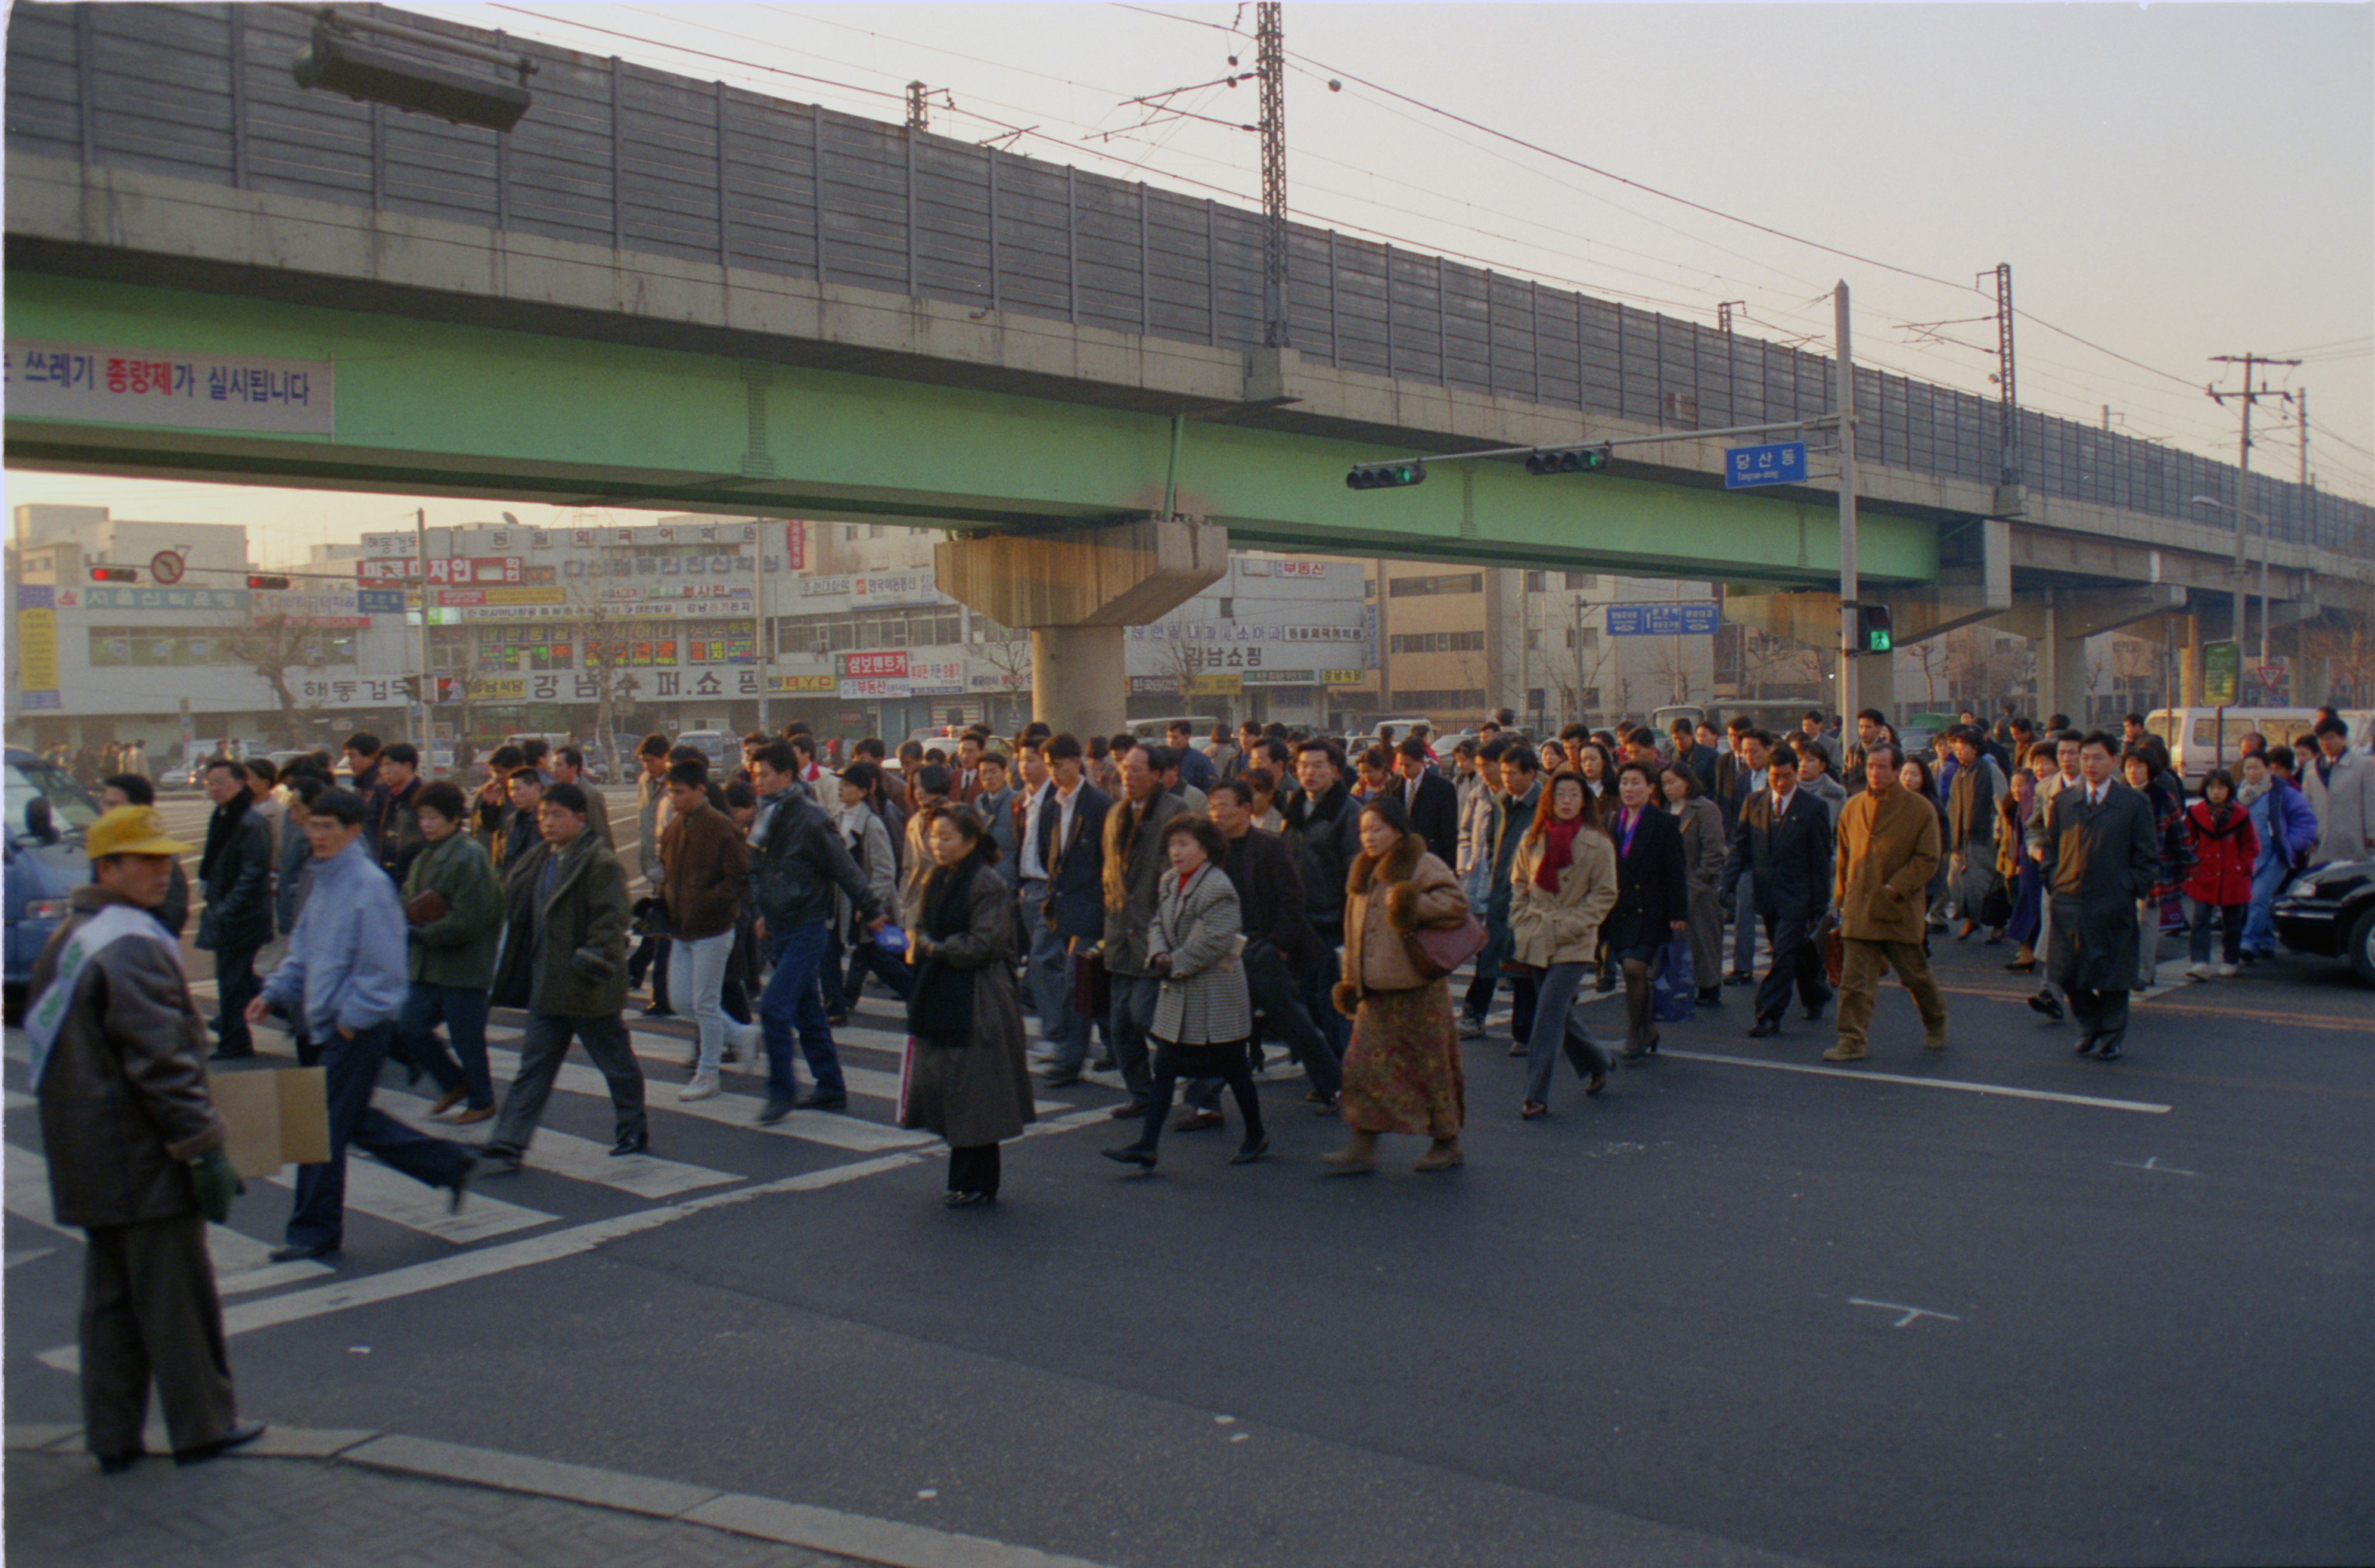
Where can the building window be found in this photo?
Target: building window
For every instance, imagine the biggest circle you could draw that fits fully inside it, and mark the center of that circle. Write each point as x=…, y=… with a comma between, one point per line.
x=1583, y=579
x=1451, y=582
x=1534, y=580
x=1433, y=702
x=1436, y=642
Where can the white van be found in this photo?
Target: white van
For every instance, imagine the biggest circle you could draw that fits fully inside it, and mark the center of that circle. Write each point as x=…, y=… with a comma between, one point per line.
x=2196, y=745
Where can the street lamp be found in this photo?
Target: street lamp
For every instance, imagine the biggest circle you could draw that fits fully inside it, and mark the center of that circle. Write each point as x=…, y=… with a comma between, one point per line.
x=2243, y=520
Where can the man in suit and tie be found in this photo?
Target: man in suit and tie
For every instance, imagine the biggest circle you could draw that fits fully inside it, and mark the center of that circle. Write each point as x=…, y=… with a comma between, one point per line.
x=1432, y=800
x=2102, y=855
x=1065, y=844
x=967, y=780
x=1783, y=844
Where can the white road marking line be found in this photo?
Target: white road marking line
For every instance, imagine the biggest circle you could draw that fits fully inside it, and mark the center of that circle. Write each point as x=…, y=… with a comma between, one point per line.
x=1910, y=1311
x=579, y=1159
x=386, y=1194
x=34, y=1255
x=2153, y=1164
x=296, y=1305
x=19, y=1100
x=2147, y=1107
x=875, y=1083
x=241, y=1263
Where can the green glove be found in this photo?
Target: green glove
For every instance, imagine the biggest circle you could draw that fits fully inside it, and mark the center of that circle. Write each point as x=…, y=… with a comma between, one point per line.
x=215, y=1184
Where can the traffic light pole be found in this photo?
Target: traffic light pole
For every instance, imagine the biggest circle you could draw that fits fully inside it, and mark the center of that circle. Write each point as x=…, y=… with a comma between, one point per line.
x=1850, y=629
x=427, y=687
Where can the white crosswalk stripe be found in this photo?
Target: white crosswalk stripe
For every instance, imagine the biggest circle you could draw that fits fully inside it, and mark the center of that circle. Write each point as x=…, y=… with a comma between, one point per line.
x=580, y=1158
x=387, y=1193
x=241, y=1263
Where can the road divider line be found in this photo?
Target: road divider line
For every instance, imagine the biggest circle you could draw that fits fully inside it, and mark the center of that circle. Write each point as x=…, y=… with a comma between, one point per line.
x=1961, y=1086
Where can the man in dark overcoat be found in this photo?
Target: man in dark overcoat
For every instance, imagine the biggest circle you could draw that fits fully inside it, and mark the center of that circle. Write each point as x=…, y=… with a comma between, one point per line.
x=2102, y=854
x=1782, y=844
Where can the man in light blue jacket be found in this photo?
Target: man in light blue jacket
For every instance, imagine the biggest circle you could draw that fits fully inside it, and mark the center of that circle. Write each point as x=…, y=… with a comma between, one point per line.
x=345, y=966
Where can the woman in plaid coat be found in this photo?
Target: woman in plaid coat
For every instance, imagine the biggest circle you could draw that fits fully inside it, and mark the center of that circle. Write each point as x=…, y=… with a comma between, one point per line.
x=1202, y=1016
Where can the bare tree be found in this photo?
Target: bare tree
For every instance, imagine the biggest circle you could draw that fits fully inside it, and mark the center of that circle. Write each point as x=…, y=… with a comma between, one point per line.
x=2344, y=642
x=279, y=648
x=1180, y=662
x=1007, y=650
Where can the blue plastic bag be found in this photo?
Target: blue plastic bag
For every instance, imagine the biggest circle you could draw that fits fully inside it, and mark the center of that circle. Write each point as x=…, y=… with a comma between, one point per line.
x=1674, y=990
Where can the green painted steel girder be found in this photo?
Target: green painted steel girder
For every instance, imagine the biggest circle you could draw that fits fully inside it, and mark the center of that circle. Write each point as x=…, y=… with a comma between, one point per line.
x=433, y=408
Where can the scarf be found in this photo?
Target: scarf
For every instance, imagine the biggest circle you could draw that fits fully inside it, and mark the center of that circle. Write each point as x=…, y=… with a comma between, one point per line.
x=1558, y=854
x=2247, y=792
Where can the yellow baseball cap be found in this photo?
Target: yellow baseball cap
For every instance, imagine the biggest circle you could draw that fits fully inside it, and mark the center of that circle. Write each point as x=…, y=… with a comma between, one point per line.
x=131, y=830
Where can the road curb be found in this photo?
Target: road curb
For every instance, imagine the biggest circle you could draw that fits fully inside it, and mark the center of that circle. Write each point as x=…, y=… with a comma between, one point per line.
x=890, y=1542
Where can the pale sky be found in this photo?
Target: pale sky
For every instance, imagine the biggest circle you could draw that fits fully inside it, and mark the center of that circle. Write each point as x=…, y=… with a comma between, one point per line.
x=2167, y=184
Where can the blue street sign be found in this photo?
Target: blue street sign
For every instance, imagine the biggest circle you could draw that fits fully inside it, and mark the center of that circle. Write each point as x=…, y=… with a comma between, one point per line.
x=1664, y=620
x=379, y=601
x=1782, y=463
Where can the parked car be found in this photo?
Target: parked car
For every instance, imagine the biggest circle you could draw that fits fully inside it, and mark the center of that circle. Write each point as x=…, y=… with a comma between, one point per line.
x=722, y=747
x=2330, y=911
x=46, y=813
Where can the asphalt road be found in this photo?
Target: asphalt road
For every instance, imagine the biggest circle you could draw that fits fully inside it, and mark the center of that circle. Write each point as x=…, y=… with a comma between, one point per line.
x=1719, y=1314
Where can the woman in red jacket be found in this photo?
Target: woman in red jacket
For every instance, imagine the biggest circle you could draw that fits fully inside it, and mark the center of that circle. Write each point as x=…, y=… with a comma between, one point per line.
x=2225, y=850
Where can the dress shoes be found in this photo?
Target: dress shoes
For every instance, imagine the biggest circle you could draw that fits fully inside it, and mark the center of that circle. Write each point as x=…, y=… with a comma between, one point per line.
x=1127, y=1110
x=2085, y=1046
x=1815, y=1013
x=1710, y=995
x=776, y=1110
x=448, y=1101
x=970, y=1199
x=1199, y=1121
x=1057, y=1078
x=296, y=1254
x=635, y=1142
x=1739, y=977
x=458, y=1188
x=1764, y=1027
x=1248, y=1153
x=471, y=1118
x=494, y=1162
x=2109, y=1051
x=239, y=1434
x=1132, y=1154
x=2046, y=1002
x=116, y=1464
x=659, y=1010
x=820, y=1101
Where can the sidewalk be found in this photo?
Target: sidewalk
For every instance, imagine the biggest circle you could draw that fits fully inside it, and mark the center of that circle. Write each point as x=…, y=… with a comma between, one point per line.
x=305, y=1499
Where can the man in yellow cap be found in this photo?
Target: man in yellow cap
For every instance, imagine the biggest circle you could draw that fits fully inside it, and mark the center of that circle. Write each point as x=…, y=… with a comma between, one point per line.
x=135, y=1150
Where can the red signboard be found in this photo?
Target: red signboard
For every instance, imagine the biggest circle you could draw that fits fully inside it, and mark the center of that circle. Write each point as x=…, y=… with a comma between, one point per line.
x=868, y=667
x=442, y=570
x=796, y=546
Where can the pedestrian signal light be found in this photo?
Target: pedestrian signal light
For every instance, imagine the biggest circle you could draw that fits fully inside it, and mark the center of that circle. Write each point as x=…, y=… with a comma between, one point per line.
x=1873, y=634
x=411, y=684
x=267, y=581
x=1386, y=475
x=1572, y=460
x=113, y=574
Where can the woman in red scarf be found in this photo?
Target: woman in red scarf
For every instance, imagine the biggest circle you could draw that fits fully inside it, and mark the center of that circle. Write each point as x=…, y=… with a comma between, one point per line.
x=1563, y=883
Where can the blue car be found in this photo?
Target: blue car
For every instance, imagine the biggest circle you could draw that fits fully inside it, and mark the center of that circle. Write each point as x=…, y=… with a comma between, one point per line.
x=47, y=812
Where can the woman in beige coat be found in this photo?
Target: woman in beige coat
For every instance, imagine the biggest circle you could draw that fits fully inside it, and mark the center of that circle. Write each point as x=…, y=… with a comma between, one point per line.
x=1401, y=1071
x=1561, y=885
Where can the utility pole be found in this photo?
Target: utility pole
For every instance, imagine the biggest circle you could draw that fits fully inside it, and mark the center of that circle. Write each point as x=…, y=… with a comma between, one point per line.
x=763, y=642
x=2250, y=394
x=426, y=685
x=1848, y=584
x=919, y=108
x=1270, y=64
x=2300, y=412
x=2008, y=393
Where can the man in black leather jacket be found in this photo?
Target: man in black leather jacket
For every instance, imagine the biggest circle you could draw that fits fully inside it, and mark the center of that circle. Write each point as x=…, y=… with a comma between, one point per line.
x=799, y=859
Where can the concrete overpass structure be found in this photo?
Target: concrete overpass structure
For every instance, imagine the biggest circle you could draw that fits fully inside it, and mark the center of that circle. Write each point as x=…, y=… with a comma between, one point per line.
x=662, y=293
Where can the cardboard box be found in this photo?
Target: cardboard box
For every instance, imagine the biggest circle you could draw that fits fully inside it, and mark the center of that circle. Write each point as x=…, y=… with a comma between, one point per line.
x=277, y=1116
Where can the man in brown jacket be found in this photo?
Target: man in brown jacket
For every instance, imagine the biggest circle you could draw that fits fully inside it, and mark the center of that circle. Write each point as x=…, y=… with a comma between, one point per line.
x=136, y=1151
x=1888, y=852
x=704, y=878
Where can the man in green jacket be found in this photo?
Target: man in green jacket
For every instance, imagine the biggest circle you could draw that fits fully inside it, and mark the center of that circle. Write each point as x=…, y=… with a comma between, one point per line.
x=453, y=908
x=565, y=960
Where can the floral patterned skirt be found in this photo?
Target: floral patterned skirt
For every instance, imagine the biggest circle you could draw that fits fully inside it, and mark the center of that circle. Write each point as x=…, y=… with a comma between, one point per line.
x=1403, y=1072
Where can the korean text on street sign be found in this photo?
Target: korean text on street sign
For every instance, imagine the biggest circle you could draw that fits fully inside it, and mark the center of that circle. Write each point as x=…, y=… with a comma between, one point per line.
x=1782, y=463
x=1664, y=620
x=102, y=383
x=2222, y=672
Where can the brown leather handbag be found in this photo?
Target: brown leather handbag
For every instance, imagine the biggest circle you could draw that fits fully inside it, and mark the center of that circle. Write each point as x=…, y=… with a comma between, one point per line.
x=1435, y=951
x=426, y=907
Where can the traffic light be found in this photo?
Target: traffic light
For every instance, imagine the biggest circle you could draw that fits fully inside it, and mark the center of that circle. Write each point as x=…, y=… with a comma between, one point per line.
x=1571, y=460
x=1873, y=632
x=1386, y=475
x=267, y=581
x=113, y=574
x=411, y=684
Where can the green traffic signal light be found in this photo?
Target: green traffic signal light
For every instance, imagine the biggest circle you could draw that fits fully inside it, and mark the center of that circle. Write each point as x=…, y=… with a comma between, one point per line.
x=1386, y=476
x=1571, y=460
x=1874, y=632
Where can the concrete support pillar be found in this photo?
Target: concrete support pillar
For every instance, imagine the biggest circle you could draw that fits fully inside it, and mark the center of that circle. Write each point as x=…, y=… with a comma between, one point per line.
x=1071, y=678
x=2189, y=661
x=1075, y=591
x=2059, y=622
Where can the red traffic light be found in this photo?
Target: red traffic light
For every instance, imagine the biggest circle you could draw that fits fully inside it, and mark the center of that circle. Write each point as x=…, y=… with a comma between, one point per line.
x=267, y=581
x=113, y=574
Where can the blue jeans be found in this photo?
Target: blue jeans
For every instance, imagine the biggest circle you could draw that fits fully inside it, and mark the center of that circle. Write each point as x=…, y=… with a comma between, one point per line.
x=463, y=1013
x=2260, y=924
x=2229, y=919
x=792, y=1003
x=696, y=978
x=351, y=1070
x=1063, y=1029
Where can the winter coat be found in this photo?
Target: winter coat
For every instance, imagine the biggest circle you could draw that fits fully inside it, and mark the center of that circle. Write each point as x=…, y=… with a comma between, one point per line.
x=1134, y=866
x=2284, y=825
x=1075, y=861
x=566, y=953
x=2225, y=851
x=1561, y=927
x=978, y=1092
x=1653, y=883
x=1887, y=852
x=123, y=1094
x=2099, y=862
x=238, y=881
x=1475, y=823
x=1326, y=838
x=706, y=873
x=1410, y=891
x=457, y=948
x=346, y=960
x=802, y=860
x=1787, y=858
x=1270, y=896
x=1200, y=929
x=1704, y=850
x=2345, y=804
x=861, y=828
x=395, y=831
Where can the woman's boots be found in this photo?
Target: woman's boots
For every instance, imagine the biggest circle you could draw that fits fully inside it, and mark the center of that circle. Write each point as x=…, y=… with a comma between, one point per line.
x=1359, y=1155
x=1640, y=1029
